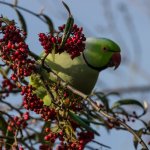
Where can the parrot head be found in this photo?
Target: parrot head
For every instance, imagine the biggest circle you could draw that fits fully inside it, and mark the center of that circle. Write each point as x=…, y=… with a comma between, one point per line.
x=101, y=53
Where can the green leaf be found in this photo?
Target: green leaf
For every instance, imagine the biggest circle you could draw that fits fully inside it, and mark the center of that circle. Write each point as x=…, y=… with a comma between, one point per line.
x=113, y=93
x=68, y=26
x=41, y=92
x=81, y=122
x=135, y=141
x=10, y=140
x=35, y=81
x=67, y=31
x=67, y=8
x=47, y=100
x=49, y=23
x=124, y=102
x=3, y=125
x=21, y=20
x=121, y=110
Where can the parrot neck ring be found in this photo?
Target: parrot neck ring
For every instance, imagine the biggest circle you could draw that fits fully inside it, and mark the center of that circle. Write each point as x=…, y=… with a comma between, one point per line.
x=114, y=62
x=93, y=67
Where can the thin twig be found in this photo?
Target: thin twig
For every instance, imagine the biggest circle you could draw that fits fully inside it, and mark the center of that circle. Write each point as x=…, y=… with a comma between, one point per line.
x=24, y=9
x=6, y=114
x=12, y=107
x=13, y=91
x=101, y=144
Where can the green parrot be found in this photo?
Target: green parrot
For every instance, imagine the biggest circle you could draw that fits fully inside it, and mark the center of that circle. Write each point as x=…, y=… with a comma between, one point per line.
x=81, y=72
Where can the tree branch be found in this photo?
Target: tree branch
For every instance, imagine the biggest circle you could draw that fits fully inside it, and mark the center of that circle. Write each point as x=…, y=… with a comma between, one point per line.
x=24, y=9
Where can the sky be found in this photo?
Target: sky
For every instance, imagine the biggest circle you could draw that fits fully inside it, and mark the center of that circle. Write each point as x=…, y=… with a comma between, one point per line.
x=124, y=21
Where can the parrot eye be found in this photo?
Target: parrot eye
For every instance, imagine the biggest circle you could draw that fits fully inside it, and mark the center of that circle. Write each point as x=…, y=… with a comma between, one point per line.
x=105, y=49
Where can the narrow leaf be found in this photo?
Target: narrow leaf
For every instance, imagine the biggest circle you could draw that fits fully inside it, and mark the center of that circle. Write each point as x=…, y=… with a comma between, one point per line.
x=124, y=102
x=67, y=31
x=101, y=144
x=21, y=20
x=49, y=23
x=67, y=8
x=113, y=93
x=3, y=125
x=121, y=110
x=9, y=141
x=135, y=141
x=81, y=122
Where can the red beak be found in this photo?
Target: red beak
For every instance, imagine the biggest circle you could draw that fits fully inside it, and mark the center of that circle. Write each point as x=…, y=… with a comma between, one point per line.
x=116, y=59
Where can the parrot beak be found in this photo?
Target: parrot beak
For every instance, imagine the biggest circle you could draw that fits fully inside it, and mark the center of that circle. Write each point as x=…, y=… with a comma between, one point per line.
x=115, y=60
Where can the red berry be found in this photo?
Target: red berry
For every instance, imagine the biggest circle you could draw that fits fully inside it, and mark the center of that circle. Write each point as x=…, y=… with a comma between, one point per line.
x=47, y=138
x=47, y=129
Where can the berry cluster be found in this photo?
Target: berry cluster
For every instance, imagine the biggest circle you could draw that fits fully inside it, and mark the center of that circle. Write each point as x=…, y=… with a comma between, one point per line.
x=51, y=136
x=79, y=144
x=70, y=100
x=32, y=102
x=18, y=122
x=7, y=85
x=14, y=51
x=48, y=42
x=74, y=45
x=83, y=139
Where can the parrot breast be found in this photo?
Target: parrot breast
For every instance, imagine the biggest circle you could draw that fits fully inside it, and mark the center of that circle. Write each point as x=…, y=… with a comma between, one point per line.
x=74, y=71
